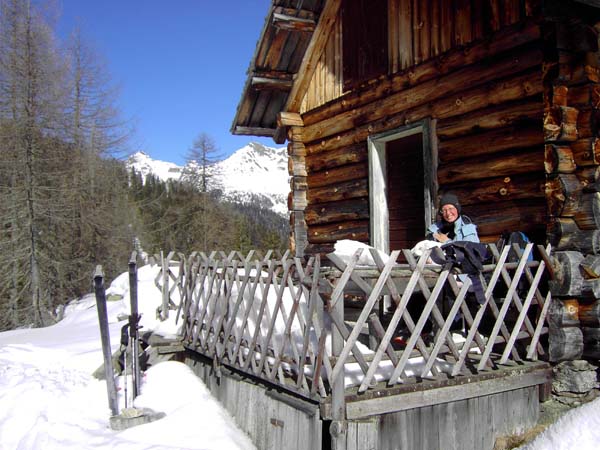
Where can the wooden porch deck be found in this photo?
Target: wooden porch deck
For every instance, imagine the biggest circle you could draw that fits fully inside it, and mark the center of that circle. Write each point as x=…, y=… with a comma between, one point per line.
x=283, y=322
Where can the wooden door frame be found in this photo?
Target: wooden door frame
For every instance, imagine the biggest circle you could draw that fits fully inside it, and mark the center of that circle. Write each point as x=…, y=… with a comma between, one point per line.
x=379, y=211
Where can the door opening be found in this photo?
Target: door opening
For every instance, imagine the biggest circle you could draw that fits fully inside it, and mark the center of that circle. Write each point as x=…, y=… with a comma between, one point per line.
x=402, y=184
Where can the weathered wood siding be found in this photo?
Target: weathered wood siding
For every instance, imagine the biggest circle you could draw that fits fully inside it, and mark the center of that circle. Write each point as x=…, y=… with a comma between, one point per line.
x=327, y=81
x=471, y=424
x=272, y=420
x=275, y=420
x=486, y=100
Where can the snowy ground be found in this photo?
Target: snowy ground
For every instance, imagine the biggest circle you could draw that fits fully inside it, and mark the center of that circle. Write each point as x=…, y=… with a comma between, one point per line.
x=49, y=399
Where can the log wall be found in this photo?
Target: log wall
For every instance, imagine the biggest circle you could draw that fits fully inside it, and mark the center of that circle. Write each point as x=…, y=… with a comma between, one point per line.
x=487, y=100
x=572, y=166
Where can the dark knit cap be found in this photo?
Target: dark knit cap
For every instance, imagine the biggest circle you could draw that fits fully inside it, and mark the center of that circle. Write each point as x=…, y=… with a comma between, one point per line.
x=450, y=199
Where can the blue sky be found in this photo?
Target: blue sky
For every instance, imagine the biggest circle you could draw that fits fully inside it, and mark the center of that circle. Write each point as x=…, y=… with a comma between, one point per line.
x=180, y=65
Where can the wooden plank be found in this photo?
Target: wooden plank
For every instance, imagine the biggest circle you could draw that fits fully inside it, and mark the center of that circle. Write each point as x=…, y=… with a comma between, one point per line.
x=287, y=119
x=405, y=34
x=393, y=38
x=447, y=394
x=325, y=25
x=463, y=32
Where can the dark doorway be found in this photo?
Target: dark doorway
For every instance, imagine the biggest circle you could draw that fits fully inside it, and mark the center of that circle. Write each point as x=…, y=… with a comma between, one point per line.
x=406, y=191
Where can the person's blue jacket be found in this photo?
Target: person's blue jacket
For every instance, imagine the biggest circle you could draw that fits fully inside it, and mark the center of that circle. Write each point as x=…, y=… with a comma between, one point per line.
x=464, y=229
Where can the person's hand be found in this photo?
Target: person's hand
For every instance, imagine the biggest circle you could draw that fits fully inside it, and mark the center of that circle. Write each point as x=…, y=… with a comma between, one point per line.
x=441, y=237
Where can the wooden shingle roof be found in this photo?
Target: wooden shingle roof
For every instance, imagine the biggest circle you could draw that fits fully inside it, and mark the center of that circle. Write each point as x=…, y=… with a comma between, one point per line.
x=285, y=38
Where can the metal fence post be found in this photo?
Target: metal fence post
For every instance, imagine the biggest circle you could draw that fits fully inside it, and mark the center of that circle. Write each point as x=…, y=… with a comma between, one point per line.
x=134, y=319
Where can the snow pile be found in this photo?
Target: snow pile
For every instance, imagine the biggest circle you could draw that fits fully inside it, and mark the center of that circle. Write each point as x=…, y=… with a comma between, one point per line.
x=346, y=248
x=49, y=399
x=578, y=429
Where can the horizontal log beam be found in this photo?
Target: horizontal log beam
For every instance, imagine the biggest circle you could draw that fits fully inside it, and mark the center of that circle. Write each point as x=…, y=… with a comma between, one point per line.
x=494, y=219
x=499, y=189
x=286, y=119
x=500, y=91
x=564, y=234
x=338, y=175
x=293, y=23
x=489, y=142
x=587, y=95
x=338, y=157
x=341, y=191
x=526, y=161
x=520, y=113
x=426, y=92
x=357, y=230
x=558, y=159
x=253, y=131
x=270, y=84
x=352, y=209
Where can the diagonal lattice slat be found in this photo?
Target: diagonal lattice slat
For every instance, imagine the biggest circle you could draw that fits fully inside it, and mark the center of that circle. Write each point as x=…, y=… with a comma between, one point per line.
x=272, y=315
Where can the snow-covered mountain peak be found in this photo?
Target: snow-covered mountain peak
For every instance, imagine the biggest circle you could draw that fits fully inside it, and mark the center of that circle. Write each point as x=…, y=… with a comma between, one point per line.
x=144, y=164
x=253, y=170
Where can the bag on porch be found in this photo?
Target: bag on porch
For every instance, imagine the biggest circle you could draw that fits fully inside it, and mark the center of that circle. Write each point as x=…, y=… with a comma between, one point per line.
x=469, y=258
x=510, y=238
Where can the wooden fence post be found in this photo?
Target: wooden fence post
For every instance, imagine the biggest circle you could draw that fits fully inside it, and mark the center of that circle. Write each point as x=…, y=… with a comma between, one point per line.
x=164, y=314
x=134, y=319
x=339, y=427
x=105, y=338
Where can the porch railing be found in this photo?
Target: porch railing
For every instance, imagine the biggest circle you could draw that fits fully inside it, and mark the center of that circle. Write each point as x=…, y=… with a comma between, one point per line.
x=288, y=321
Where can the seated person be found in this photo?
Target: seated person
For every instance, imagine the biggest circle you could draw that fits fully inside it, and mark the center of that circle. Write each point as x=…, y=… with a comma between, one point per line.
x=453, y=226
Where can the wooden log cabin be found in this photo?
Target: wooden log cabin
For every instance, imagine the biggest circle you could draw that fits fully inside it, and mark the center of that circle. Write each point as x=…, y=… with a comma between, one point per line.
x=387, y=104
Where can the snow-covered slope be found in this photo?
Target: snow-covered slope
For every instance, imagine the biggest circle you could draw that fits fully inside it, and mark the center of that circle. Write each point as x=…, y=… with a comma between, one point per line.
x=145, y=165
x=253, y=170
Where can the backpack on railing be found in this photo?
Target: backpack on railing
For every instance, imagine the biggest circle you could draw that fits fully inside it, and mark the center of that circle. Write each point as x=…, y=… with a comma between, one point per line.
x=510, y=238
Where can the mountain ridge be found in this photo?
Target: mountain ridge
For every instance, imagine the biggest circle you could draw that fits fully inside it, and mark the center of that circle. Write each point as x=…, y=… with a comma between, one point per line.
x=251, y=172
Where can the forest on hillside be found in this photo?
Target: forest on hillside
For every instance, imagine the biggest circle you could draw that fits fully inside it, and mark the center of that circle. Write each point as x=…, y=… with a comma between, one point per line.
x=67, y=201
